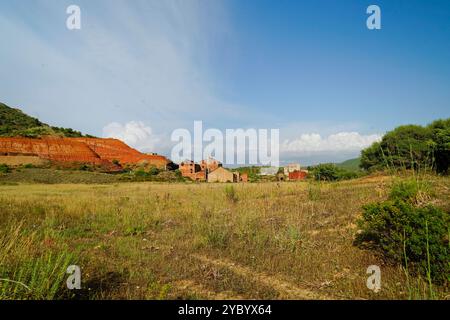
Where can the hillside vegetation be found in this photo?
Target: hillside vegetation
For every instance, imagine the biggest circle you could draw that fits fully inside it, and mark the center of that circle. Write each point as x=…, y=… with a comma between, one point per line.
x=15, y=123
x=351, y=164
x=411, y=147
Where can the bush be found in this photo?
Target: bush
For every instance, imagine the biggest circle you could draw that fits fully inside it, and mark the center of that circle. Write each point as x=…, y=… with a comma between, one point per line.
x=314, y=191
x=230, y=193
x=413, y=191
x=84, y=167
x=411, y=147
x=140, y=173
x=325, y=172
x=331, y=172
x=414, y=236
x=4, y=168
x=154, y=171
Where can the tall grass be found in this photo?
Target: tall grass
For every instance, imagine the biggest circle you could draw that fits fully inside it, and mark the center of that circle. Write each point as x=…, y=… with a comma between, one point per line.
x=419, y=289
x=231, y=194
x=28, y=274
x=141, y=240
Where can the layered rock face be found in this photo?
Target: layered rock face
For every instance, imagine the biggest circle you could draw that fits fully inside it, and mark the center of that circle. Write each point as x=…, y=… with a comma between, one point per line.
x=113, y=149
x=94, y=151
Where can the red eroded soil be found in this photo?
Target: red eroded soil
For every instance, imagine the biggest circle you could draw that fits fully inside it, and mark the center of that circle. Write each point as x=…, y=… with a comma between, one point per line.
x=93, y=151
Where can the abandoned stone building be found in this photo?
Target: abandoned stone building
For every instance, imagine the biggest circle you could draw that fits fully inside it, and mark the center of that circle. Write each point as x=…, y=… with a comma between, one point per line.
x=297, y=175
x=192, y=170
x=198, y=172
x=291, y=168
x=210, y=170
x=293, y=171
x=223, y=175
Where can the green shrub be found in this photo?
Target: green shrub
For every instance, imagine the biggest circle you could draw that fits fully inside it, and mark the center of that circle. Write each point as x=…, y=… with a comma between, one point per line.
x=4, y=168
x=314, y=191
x=331, y=172
x=84, y=167
x=409, y=235
x=39, y=278
x=140, y=173
x=406, y=190
x=325, y=172
x=216, y=236
x=230, y=193
x=154, y=171
x=412, y=191
x=411, y=147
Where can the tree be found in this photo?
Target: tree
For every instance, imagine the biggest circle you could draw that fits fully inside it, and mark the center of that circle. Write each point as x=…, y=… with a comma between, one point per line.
x=411, y=147
x=440, y=131
x=326, y=172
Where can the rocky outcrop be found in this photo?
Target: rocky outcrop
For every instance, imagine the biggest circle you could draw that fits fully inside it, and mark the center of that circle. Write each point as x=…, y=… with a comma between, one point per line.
x=108, y=153
x=113, y=149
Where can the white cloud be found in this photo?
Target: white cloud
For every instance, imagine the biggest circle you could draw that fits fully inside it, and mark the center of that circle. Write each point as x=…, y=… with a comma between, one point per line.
x=133, y=133
x=338, y=142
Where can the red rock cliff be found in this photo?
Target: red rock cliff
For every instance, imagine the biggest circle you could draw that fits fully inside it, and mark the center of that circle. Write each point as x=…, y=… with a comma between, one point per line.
x=80, y=150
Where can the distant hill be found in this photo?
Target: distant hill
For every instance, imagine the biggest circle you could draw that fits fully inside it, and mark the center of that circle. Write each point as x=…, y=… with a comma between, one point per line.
x=14, y=123
x=352, y=164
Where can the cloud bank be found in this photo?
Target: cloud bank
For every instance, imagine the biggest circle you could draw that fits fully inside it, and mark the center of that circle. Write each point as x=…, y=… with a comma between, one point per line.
x=133, y=133
x=338, y=142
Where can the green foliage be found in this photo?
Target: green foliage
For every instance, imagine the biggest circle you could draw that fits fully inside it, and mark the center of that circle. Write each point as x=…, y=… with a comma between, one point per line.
x=216, y=236
x=27, y=273
x=36, y=278
x=404, y=190
x=405, y=233
x=230, y=193
x=154, y=171
x=440, y=133
x=253, y=172
x=350, y=165
x=411, y=147
x=141, y=173
x=4, y=168
x=178, y=174
x=34, y=132
x=84, y=167
x=12, y=120
x=13, y=123
x=67, y=132
x=413, y=190
x=325, y=172
x=314, y=191
x=331, y=172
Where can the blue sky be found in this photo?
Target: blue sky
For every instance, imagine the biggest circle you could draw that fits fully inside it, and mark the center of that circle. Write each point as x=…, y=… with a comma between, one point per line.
x=310, y=68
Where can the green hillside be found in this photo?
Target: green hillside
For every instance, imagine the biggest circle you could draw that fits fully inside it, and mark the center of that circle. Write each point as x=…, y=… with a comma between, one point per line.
x=351, y=164
x=14, y=123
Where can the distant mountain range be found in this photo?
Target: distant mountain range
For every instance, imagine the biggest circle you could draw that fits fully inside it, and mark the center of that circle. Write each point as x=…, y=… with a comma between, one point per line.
x=15, y=123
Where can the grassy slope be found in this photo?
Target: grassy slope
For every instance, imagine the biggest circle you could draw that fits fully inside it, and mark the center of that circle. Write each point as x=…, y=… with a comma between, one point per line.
x=149, y=241
x=13, y=122
x=55, y=176
x=52, y=176
x=351, y=164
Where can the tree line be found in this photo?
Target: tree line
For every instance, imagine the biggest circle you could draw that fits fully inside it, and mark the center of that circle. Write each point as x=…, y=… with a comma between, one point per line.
x=411, y=147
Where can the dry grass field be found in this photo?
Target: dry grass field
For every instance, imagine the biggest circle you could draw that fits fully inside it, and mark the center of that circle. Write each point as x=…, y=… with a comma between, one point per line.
x=193, y=241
